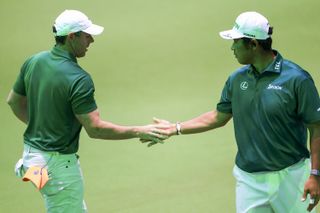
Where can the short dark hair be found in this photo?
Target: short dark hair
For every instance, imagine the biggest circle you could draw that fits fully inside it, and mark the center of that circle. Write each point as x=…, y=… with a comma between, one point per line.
x=265, y=44
x=62, y=39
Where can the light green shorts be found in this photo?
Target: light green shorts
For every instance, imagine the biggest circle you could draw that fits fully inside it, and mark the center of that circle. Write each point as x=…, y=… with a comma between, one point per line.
x=272, y=192
x=63, y=193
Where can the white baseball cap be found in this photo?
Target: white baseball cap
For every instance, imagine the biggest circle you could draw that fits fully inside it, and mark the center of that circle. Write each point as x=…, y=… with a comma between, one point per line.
x=249, y=25
x=71, y=21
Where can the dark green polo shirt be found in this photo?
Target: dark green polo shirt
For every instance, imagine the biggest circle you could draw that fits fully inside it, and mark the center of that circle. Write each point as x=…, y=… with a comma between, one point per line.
x=57, y=88
x=270, y=112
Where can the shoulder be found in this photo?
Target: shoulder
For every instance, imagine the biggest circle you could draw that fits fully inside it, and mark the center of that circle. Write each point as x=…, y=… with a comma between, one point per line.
x=33, y=59
x=294, y=71
x=241, y=70
x=39, y=55
x=36, y=56
x=80, y=74
x=239, y=73
x=81, y=78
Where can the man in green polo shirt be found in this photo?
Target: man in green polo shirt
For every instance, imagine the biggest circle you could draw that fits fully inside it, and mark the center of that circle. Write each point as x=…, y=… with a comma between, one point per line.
x=54, y=96
x=272, y=102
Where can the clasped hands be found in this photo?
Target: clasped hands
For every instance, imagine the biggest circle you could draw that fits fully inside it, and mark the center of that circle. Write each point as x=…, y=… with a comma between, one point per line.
x=157, y=132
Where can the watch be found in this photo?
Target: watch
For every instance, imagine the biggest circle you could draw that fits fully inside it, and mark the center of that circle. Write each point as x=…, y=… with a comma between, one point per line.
x=315, y=172
x=178, y=128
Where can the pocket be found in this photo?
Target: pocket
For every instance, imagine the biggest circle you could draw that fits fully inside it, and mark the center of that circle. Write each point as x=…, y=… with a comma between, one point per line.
x=34, y=159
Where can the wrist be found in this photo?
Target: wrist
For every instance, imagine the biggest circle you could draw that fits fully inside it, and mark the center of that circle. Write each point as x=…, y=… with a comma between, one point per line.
x=315, y=172
x=135, y=132
x=178, y=128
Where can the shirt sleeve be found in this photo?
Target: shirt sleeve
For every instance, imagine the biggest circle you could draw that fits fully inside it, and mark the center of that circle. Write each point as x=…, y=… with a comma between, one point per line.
x=225, y=104
x=82, y=95
x=308, y=108
x=19, y=86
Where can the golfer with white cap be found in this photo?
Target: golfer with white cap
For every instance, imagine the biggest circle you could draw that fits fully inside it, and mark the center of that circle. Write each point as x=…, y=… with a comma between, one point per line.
x=273, y=102
x=54, y=96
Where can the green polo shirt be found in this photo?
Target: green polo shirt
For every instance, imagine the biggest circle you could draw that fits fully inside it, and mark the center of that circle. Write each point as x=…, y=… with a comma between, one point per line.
x=270, y=112
x=57, y=88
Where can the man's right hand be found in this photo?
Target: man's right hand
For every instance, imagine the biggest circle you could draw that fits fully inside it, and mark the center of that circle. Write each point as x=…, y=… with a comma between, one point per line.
x=164, y=127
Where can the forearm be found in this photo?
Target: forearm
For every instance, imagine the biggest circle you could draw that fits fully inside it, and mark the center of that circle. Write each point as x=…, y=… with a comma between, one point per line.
x=18, y=105
x=207, y=121
x=108, y=130
x=315, y=154
x=100, y=129
x=20, y=113
x=315, y=146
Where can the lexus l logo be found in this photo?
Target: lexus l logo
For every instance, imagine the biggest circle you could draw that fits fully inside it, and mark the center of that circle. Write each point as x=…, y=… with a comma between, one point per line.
x=244, y=85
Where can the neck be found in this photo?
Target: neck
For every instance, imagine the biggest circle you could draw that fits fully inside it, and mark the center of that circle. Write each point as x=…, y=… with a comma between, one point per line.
x=67, y=48
x=263, y=60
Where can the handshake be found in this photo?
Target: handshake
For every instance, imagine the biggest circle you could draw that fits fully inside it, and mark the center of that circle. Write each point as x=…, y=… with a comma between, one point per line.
x=157, y=132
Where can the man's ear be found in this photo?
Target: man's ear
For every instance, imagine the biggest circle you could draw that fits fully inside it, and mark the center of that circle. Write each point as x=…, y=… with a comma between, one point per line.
x=254, y=43
x=71, y=36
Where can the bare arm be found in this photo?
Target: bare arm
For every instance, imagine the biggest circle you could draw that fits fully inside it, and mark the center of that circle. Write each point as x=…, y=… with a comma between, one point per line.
x=18, y=104
x=97, y=128
x=207, y=121
x=315, y=145
x=312, y=185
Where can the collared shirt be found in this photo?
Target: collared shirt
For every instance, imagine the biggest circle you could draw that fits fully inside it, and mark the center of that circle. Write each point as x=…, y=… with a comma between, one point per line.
x=56, y=88
x=270, y=112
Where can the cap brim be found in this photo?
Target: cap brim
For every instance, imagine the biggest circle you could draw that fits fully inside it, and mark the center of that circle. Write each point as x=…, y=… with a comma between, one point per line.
x=94, y=29
x=231, y=34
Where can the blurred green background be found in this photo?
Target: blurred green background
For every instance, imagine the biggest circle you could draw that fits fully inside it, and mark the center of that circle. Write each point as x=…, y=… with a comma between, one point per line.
x=155, y=58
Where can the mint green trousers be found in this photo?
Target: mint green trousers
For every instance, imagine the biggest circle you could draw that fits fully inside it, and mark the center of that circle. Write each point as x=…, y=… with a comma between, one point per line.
x=63, y=193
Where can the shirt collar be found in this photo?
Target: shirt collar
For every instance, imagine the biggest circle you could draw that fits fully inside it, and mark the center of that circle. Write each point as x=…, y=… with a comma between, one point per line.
x=56, y=50
x=275, y=66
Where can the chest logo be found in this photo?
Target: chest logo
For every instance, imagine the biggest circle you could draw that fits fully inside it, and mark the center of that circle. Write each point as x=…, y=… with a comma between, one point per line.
x=244, y=85
x=318, y=110
x=275, y=87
